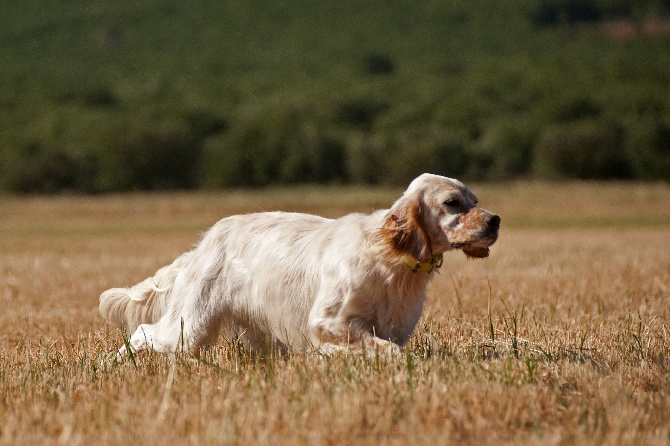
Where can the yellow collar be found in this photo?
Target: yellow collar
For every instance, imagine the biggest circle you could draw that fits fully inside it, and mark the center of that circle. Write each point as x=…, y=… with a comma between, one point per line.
x=418, y=267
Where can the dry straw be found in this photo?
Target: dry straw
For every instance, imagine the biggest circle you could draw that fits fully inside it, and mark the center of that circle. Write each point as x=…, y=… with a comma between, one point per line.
x=559, y=337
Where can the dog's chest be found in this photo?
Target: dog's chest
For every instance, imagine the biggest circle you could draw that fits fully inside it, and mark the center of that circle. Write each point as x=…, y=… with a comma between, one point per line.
x=389, y=310
x=397, y=320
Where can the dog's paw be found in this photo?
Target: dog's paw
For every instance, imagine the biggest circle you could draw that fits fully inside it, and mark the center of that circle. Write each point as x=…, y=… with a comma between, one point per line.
x=109, y=359
x=383, y=348
x=121, y=354
x=392, y=351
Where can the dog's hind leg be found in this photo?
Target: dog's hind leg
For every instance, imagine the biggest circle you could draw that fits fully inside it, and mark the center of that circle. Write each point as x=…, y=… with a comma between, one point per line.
x=162, y=337
x=171, y=335
x=195, y=313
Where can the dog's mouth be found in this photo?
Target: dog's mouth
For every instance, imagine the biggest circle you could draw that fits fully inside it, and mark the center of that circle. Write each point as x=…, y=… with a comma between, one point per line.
x=475, y=241
x=472, y=251
x=476, y=250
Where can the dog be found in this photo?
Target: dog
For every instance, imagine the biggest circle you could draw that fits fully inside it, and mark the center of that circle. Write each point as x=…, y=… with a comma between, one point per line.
x=299, y=281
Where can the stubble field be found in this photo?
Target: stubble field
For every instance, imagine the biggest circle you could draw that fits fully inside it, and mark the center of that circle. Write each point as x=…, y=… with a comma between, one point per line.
x=561, y=336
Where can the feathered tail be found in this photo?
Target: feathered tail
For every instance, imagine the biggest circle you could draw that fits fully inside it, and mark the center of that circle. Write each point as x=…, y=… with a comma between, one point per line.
x=143, y=303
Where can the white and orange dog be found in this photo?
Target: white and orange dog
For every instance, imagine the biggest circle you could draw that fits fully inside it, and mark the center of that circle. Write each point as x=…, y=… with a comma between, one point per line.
x=300, y=281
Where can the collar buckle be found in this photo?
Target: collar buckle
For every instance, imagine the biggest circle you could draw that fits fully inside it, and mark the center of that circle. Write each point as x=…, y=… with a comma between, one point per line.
x=416, y=266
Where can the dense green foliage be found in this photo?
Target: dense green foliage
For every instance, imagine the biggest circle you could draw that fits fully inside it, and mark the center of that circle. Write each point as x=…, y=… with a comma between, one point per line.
x=100, y=96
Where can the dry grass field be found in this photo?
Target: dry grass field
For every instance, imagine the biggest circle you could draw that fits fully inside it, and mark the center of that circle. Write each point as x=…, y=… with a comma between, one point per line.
x=561, y=336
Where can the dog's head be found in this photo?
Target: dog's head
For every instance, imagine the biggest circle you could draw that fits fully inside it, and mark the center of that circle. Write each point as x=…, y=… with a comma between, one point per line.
x=438, y=214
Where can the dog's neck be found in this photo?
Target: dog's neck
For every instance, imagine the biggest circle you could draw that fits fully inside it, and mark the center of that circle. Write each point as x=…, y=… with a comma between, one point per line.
x=411, y=251
x=424, y=267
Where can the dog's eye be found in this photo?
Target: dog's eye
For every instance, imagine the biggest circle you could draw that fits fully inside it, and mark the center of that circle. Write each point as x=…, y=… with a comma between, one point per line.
x=451, y=202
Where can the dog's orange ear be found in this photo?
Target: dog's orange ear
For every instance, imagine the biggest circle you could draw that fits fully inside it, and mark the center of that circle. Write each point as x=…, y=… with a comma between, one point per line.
x=404, y=230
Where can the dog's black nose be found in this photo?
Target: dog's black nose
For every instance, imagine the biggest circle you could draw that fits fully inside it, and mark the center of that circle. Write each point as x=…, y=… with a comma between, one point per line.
x=494, y=222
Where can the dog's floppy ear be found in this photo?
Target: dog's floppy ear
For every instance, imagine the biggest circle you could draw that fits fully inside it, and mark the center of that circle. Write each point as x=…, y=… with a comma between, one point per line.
x=404, y=229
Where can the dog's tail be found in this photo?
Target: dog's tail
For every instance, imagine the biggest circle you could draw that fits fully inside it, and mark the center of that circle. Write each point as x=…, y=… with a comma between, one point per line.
x=143, y=303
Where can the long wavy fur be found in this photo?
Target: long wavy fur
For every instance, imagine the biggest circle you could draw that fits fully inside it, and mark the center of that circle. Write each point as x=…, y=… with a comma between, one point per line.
x=143, y=303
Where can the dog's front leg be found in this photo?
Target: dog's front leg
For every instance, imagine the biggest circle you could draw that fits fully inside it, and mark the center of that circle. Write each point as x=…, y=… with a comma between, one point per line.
x=330, y=335
x=367, y=344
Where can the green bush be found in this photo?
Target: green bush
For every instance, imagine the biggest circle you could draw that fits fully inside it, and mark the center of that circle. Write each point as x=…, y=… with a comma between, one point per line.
x=205, y=123
x=36, y=169
x=586, y=150
x=558, y=12
x=366, y=159
x=278, y=143
x=510, y=148
x=379, y=64
x=415, y=153
x=166, y=155
x=574, y=108
x=100, y=96
x=648, y=146
x=361, y=112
